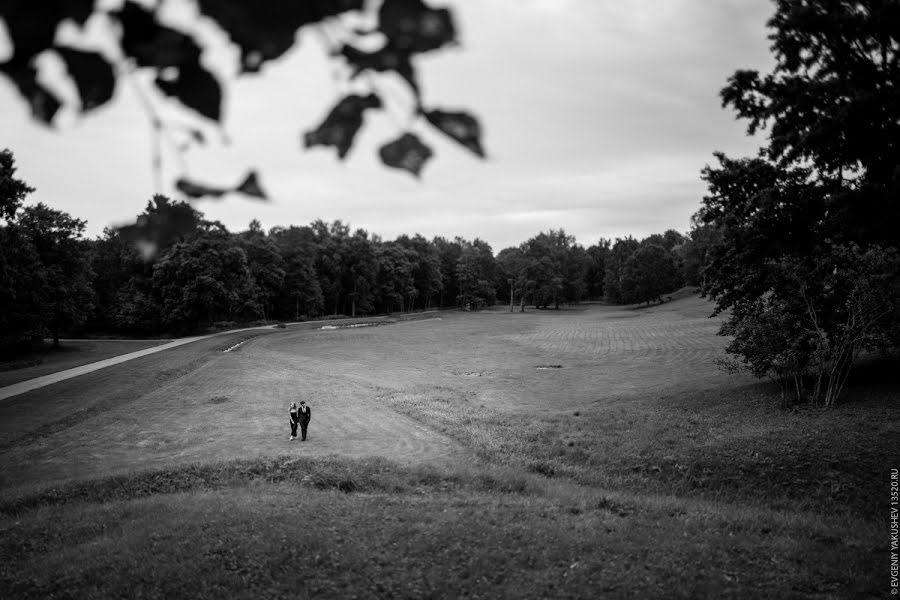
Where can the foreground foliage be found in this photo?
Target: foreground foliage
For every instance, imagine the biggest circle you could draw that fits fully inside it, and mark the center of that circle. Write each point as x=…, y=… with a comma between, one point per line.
x=361, y=39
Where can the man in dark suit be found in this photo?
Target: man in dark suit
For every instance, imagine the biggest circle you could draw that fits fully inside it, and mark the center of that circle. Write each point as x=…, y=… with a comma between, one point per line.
x=304, y=414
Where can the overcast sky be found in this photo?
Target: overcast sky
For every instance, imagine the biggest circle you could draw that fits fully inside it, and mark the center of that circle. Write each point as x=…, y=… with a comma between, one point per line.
x=598, y=116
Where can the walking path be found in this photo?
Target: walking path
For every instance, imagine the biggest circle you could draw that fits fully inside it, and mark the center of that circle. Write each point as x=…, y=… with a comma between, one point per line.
x=39, y=382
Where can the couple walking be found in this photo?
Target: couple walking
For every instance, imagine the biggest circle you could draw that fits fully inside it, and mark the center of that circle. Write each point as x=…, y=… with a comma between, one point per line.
x=299, y=416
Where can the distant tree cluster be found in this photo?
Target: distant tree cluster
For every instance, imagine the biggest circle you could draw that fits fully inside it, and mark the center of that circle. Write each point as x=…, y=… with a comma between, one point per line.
x=174, y=271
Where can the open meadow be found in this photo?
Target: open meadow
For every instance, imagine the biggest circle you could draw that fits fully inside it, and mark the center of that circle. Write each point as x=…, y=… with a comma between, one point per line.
x=595, y=451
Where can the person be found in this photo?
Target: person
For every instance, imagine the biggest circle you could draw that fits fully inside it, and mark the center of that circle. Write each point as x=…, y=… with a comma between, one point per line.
x=294, y=417
x=304, y=414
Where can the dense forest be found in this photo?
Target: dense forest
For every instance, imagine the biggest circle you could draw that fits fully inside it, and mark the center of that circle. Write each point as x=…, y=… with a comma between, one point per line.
x=194, y=273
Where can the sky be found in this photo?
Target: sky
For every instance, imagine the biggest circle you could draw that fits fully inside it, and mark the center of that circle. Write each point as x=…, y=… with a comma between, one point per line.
x=598, y=116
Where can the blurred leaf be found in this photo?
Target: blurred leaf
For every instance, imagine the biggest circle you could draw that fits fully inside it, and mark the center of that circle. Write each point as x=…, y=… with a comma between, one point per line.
x=78, y=10
x=198, y=190
x=461, y=126
x=94, y=77
x=41, y=100
x=412, y=26
x=407, y=153
x=196, y=88
x=250, y=187
x=386, y=59
x=152, y=44
x=266, y=29
x=340, y=126
x=163, y=224
x=197, y=135
x=31, y=27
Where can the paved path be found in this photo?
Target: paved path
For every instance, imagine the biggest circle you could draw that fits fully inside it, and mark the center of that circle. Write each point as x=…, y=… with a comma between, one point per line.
x=38, y=382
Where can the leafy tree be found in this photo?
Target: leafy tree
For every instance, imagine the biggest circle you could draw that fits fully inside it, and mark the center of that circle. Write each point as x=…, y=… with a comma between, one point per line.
x=395, y=278
x=332, y=262
x=12, y=191
x=19, y=262
x=614, y=267
x=512, y=276
x=649, y=273
x=476, y=272
x=596, y=269
x=21, y=283
x=266, y=266
x=300, y=294
x=204, y=280
x=693, y=252
x=64, y=285
x=546, y=254
x=807, y=226
x=449, y=253
x=362, y=271
x=426, y=268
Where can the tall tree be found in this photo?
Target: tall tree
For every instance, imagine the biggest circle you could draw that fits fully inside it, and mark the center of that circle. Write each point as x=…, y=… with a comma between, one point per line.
x=614, y=267
x=449, y=253
x=65, y=293
x=826, y=188
x=476, y=272
x=300, y=295
x=649, y=273
x=204, y=280
x=266, y=266
x=596, y=271
x=426, y=269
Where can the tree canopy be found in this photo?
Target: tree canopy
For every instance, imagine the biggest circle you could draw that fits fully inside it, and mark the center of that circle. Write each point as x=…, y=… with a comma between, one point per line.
x=804, y=250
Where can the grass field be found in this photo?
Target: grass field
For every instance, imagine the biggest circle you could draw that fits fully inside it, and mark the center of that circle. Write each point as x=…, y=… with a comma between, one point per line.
x=589, y=452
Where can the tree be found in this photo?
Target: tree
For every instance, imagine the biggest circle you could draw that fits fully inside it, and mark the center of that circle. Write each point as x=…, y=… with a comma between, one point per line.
x=449, y=253
x=204, y=280
x=64, y=289
x=512, y=275
x=12, y=191
x=807, y=227
x=693, y=252
x=150, y=41
x=596, y=268
x=614, y=267
x=648, y=273
x=476, y=272
x=300, y=295
x=426, y=268
x=362, y=271
x=395, y=275
x=547, y=255
x=265, y=264
x=19, y=262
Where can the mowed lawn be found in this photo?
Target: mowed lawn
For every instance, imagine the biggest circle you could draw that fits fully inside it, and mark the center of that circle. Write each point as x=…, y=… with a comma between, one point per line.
x=590, y=452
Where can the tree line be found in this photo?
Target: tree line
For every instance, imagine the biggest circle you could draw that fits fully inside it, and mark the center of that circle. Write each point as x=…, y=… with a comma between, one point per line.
x=174, y=271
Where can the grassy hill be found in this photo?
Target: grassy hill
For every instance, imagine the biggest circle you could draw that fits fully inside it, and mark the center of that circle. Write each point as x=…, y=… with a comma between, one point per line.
x=580, y=453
